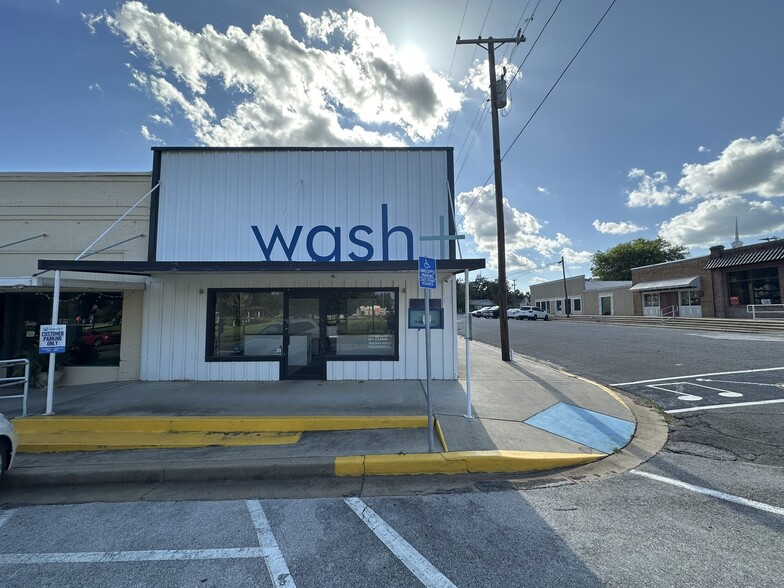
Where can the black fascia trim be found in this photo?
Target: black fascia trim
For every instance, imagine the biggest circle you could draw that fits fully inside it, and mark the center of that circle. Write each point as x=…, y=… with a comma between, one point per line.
x=146, y=268
x=155, y=198
x=273, y=149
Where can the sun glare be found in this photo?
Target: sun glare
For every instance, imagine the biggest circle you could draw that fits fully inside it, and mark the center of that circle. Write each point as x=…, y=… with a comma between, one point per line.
x=412, y=59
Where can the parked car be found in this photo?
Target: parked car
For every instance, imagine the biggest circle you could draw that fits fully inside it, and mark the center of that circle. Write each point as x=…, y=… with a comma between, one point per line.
x=490, y=312
x=478, y=312
x=269, y=340
x=98, y=338
x=532, y=313
x=8, y=443
x=513, y=312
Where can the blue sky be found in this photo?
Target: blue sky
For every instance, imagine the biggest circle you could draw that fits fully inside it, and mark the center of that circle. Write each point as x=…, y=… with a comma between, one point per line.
x=669, y=121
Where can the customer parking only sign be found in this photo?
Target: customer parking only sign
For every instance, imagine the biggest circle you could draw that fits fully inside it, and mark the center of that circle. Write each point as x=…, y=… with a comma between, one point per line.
x=52, y=339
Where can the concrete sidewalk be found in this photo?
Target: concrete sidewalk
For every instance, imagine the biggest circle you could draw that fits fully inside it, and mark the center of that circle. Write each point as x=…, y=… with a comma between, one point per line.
x=526, y=417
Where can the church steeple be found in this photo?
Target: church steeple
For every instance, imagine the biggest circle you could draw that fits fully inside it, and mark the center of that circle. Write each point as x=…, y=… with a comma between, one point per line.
x=737, y=242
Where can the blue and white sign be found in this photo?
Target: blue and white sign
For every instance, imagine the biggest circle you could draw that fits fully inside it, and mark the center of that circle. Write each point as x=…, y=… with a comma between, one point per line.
x=427, y=273
x=52, y=339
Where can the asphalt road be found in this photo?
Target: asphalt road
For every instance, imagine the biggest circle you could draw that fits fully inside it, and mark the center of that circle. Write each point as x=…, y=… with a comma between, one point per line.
x=625, y=531
x=706, y=511
x=724, y=391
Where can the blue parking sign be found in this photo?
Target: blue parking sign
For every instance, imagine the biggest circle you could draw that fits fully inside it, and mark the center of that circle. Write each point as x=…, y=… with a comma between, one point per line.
x=427, y=273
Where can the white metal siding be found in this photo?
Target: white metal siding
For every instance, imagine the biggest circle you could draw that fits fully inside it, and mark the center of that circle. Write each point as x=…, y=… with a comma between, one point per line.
x=210, y=199
x=175, y=330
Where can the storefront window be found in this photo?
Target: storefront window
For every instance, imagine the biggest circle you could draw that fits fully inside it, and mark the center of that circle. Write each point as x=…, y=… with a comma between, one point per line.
x=651, y=300
x=93, y=321
x=690, y=298
x=361, y=323
x=344, y=324
x=248, y=323
x=754, y=286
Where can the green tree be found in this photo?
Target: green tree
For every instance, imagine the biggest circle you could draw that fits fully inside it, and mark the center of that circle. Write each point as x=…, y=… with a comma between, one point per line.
x=616, y=263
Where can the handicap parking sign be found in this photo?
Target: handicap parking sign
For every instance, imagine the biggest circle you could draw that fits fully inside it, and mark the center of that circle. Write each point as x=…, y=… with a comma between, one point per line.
x=427, y=273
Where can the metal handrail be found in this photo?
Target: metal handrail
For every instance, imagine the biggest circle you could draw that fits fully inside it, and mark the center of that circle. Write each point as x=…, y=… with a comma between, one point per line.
x=756, y=309
x=11, y=380
x=668, y=312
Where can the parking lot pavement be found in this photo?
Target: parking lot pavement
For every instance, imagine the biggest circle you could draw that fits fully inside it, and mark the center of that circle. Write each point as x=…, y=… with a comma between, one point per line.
x=712, y=391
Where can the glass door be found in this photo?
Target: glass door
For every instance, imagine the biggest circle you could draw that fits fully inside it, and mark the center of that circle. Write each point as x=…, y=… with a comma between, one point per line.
x=304, y=357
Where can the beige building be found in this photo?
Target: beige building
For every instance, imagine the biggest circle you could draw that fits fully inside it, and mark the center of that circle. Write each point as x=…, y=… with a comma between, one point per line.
x=675, y=288
x=58, y=216
x=585, y=297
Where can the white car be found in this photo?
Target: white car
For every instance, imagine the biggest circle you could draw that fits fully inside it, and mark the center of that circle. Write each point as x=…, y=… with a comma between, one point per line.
x=8, y=443
x=513, y=312
x=532, y=313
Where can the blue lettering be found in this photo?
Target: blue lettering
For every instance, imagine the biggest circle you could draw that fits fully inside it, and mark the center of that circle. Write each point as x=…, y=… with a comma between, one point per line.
x=399, y=229
x=352, y=235
x=277, y=236
x=335, y=240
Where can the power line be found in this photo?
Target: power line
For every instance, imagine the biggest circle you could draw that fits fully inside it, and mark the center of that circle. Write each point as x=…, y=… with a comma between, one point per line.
x=547, y=22
x=588, y=38
x=543, y=99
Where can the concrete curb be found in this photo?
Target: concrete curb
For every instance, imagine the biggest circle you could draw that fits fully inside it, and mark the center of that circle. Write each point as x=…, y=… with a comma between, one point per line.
x=459, y=462
x=462, y=462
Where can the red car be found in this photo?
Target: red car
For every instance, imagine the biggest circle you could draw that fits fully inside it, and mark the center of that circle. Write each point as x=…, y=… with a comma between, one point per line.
x=93, y=339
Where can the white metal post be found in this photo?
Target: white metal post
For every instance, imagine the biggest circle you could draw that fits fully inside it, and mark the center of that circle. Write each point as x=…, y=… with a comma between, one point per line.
x=430, y=443
x=53, y=356
x=469, y=335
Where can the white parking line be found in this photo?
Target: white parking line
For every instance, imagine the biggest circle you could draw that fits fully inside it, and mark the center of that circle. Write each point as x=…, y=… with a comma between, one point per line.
x=699, y=376
x=410, y=557
x=273, y=556
x=128, y=556
x=683, y=396
x=714, y=493
x=731, y=405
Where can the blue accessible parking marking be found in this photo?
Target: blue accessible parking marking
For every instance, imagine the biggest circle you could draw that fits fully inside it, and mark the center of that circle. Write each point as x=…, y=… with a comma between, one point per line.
x=598, y=431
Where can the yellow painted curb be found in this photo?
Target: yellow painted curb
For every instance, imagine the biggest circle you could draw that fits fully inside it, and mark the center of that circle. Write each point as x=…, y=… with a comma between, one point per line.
x=81, y=441
x=440, y=434
x=227, y=424
x=459, y=462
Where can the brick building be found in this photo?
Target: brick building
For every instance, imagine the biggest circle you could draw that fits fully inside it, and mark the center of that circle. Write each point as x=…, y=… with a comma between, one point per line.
x=720, y=285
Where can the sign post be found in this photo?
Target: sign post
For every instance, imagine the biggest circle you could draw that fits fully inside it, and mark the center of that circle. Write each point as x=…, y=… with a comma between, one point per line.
x=427, y=281
x=58, y=344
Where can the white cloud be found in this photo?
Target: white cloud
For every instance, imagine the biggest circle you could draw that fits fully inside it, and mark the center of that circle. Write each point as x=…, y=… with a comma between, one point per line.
x=651, y=190
x=703, y=149
x=543, y=190
x=478, y=76
x=95, y=88
x=161, y=120
x=746, y=166
x=574, y=258
x=148, y=136
x=522, y=231
x=712, y=222
x=622, y=228
x=345, y=84
x=91, y=20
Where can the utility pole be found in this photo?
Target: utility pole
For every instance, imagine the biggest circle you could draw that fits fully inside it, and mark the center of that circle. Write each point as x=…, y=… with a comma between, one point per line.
x=566, y=295
x=490, y=44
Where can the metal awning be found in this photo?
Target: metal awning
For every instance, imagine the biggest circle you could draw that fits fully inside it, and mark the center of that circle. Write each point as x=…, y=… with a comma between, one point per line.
x=747, y=256
x=149, y=268
x=671, y=284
